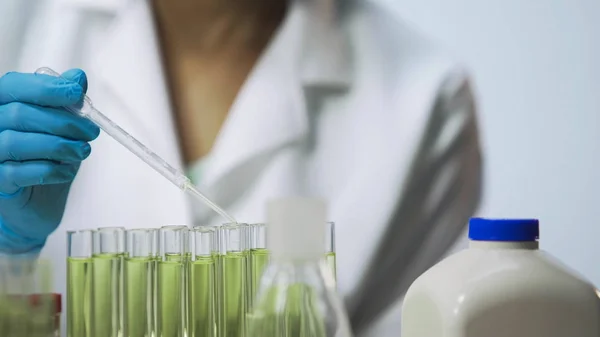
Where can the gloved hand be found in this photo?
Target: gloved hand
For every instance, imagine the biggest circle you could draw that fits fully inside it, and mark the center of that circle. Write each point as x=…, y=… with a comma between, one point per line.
x=41, y=148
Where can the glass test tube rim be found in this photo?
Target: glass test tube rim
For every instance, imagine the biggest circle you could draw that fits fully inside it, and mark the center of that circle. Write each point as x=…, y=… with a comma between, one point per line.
x=120, y=236
x=152, y=237
x=246, y=235
x=204, y=228
x=118, y=229
x=199, y=231
x=155, y=238
x=175, y=225
x=255, y=232
x=90, y=248
x=100, y=229
x=183, y=230
x=186, y=230
x=331, y=236
x=232, y=225
x=224, y=241
x=216, y=239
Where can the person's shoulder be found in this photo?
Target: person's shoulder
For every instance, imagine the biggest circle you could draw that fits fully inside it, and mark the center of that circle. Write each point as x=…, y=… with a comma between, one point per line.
x=407, y=57
x=391, y=35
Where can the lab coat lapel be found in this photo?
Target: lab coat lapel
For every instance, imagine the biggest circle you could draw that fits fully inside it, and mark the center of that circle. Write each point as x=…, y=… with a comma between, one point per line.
x=129, y=67
x=270, y=110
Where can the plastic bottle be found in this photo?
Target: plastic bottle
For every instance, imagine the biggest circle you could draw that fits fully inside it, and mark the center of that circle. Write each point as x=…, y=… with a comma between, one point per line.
x=296, y=296
x=501, y=286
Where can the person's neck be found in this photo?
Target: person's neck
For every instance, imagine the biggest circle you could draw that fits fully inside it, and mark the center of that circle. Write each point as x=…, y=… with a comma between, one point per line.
x=209, y=48
x=212, y=27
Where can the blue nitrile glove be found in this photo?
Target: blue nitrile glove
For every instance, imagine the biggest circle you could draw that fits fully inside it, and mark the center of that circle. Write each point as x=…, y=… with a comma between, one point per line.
x=41, y=148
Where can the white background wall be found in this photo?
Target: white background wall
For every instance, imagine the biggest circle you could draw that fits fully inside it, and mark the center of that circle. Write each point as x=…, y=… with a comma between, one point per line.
x=536, y=67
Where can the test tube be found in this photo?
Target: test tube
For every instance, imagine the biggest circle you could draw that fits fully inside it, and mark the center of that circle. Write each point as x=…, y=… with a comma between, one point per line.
x=218, y=252
x=155, y=253
x=80, y=310
x=41, y=303
x=3, y=298
x=330, y=248
x=246, y=233
x=109, y=249
x=155, y=244
x=138, y=283
x=19, y=276
x=202, y=283
x=171, y=285
x=259, y=257
x=232, y=295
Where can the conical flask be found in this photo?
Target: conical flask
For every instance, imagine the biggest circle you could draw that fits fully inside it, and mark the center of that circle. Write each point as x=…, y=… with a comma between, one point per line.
x=296, y=296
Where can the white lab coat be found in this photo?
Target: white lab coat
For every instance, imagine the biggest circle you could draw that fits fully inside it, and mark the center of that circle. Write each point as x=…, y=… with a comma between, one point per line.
x=383, y=127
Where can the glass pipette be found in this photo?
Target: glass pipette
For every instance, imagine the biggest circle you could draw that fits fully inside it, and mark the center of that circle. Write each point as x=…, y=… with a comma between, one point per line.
x=177, y=177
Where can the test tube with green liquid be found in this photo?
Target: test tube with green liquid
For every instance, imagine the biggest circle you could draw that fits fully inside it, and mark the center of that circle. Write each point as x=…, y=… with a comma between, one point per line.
x=3, y=299
x=107, y=284
x=330, y=248
x=171, y=286
x=202, y=270
x=247, y=244
x=232, y=294
x=80, y=310
x=218, y=252
x=138, y=283
x=155, y=253
x=259, y=257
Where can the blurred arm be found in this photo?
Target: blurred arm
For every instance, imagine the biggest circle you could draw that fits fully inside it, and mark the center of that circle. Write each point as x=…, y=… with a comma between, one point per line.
x=443, y=191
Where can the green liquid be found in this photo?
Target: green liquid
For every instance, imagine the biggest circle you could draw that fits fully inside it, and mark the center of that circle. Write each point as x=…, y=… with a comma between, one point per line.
x=233, y=308
x=19, y=316
x=79, y=297
x=43, y=321
x=219, y=306
x=106, y=294
x=170, y=300
x=173, y=258
x=202, y=297
x=259, y=259
x=155, y=261
x=184, y=259
x=138, y=297
x=121, y=298
x=176, y=257
x=330, y=257
x=287, y=311
x=3, y=316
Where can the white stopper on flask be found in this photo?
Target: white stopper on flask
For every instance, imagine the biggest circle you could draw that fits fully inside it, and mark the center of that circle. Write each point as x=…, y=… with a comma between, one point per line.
x=296, y=227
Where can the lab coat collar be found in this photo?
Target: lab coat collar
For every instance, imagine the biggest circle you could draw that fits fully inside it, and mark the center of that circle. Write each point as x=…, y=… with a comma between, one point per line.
x=269, y=111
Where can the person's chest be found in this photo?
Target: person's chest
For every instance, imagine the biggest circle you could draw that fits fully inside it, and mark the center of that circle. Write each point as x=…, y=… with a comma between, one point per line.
x=208, y=50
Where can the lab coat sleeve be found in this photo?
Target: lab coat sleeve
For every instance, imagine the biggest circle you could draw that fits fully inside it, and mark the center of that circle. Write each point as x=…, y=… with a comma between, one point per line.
x=442, y=191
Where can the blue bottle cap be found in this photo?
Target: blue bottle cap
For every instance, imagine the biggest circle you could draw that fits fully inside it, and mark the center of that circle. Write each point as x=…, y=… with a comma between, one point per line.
x=481, y=229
